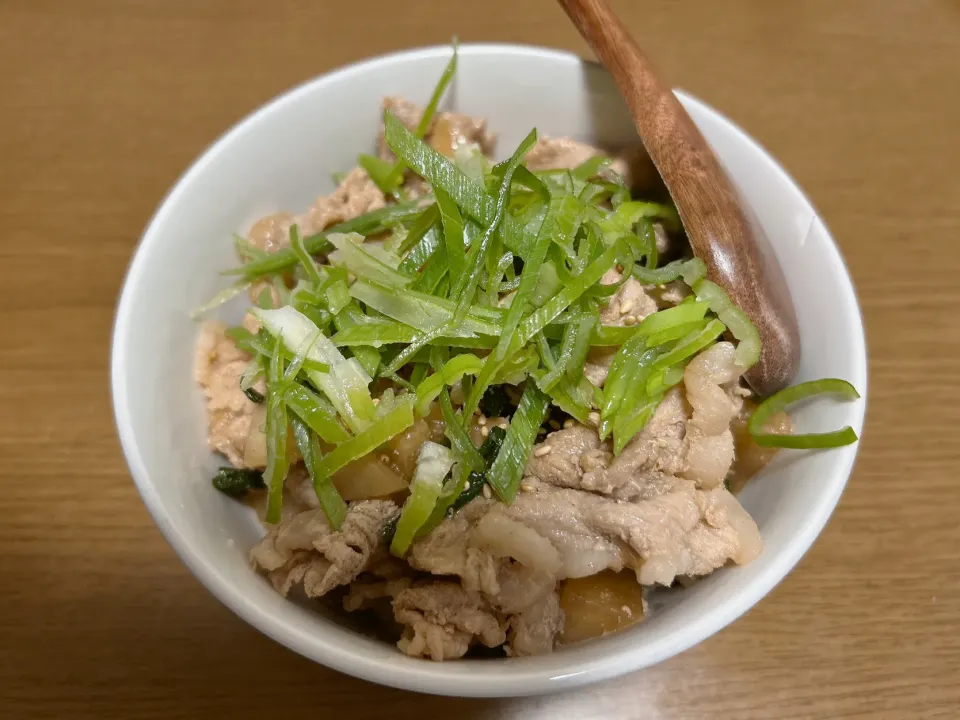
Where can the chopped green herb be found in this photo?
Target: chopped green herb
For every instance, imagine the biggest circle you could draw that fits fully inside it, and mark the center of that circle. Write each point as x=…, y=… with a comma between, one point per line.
x=496, y=402
x=237, y=482
x=474, y=488
x=491, y=446
x=253, y=395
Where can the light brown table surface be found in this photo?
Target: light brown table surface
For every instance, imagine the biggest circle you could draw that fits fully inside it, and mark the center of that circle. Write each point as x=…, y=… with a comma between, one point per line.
x=104, y=103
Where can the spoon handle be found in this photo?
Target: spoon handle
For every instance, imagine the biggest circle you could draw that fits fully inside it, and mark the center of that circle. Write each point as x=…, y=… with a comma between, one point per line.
x=709, y=207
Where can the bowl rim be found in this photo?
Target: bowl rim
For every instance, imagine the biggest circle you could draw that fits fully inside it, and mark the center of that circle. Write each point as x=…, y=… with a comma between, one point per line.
x=426, y=676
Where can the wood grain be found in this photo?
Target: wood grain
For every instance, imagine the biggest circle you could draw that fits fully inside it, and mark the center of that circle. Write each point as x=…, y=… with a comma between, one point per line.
x=102, y=105
x=712, y=216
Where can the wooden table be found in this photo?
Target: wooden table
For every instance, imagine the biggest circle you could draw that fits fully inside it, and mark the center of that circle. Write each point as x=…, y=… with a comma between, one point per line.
x=102, y=105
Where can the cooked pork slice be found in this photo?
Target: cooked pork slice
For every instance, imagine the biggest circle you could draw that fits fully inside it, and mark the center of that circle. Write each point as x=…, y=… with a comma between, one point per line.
x=481, y=551
x=218, y=366
x=711, y=383
x=443, y=620
x=356, y=195
x=662, y=238
x=683, y=532
x=668, y=295
x=709, y=380
x=534, y=631
x=446, y=132
x=597, y=366
x=299, y=487
x=575, y=458
x=633, y=164
x=305, y=549
x=559, y=153
x=449, y=550
x=562, y=463
x=363, y=594
x=565, y=153
x=650, y=462
x=521, y=587
x=629, y=304
x=272, y=232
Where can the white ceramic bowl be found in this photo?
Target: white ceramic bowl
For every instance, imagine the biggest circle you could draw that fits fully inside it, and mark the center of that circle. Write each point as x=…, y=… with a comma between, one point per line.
x=281, y=157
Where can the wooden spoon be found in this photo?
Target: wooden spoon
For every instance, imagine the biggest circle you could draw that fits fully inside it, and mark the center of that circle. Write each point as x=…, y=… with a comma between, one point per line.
x=709, y=208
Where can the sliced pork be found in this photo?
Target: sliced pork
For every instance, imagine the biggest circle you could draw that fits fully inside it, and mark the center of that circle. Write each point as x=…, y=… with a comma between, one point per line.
x=306, y=550
x=219, y=363
x=442, y=620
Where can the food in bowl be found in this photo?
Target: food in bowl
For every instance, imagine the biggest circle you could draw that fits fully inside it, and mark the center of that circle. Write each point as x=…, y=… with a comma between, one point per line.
x=476, y=404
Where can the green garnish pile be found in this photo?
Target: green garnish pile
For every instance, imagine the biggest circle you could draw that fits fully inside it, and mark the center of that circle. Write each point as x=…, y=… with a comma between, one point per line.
x=490, y=280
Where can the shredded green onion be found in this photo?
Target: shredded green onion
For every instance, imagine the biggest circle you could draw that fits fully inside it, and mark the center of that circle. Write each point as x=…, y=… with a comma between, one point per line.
x=433, y=465
x=417, y=246
x=376, y=434
x=463, y=294
x=441, y=173
x=452, y=232
x=458, y=437
x=780, y=401
x=381, y=172
x=276, y=438
x=224, y=296
x=491, y=279
x=429, y=111
x=346, y=384
x=351, y=254
x=367, y=224
x=317, y=413
x=451, y=372
x=330, y=501
x=748, y=345
x=591, y=275
x=506, y=472
x=307, y=262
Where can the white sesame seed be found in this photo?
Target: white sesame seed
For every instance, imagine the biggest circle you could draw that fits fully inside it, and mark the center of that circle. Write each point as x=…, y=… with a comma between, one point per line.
x=542, y=450
x=627, y=611
x=568, y=423
x=594, y=418
x=482, y=420
x=526, y=487
x=487, y=493
x=376, y=401
x=630, y=320
x=626, y=307
x=485, y=431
